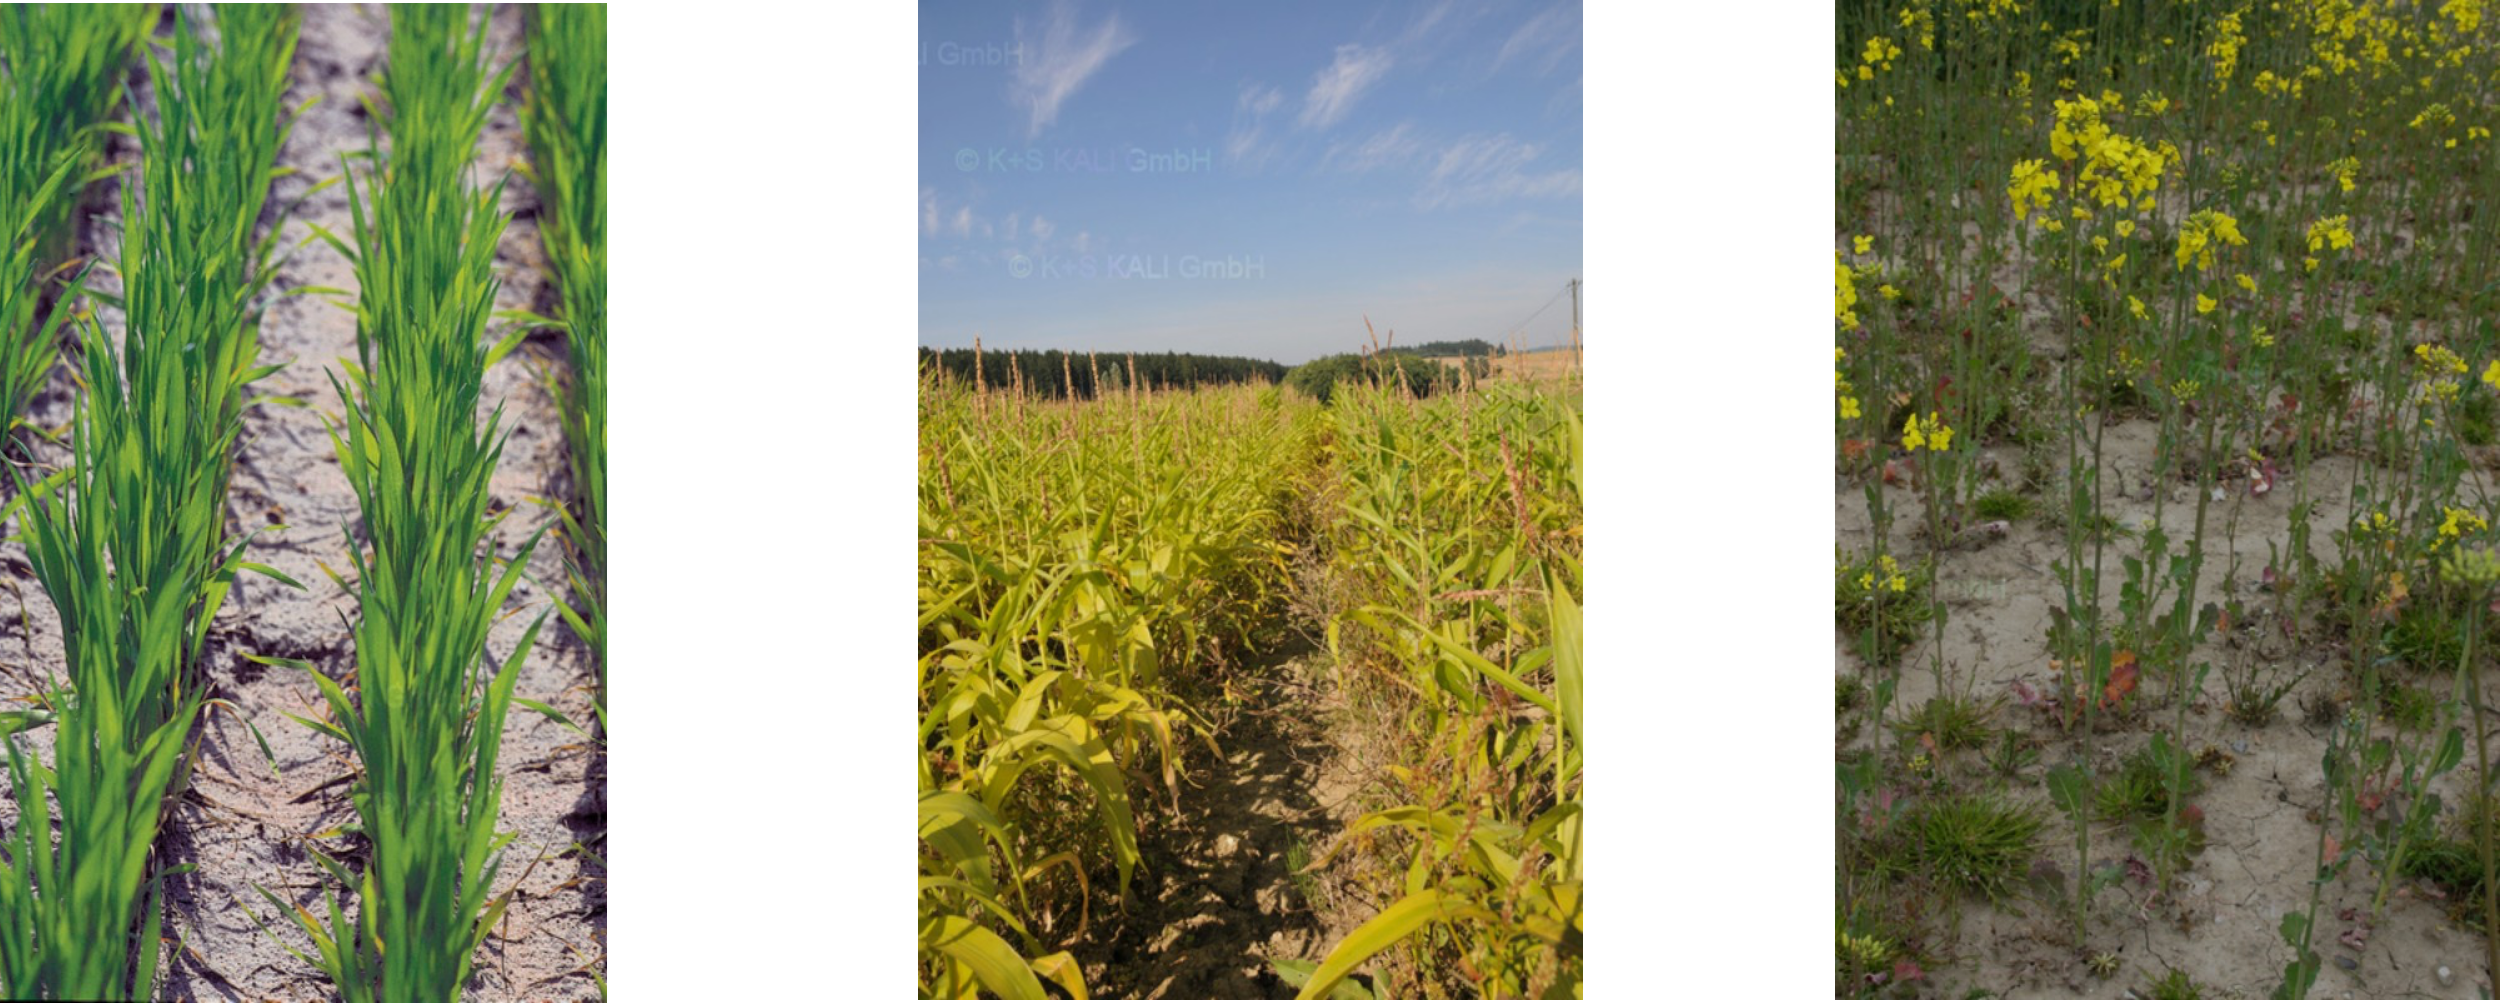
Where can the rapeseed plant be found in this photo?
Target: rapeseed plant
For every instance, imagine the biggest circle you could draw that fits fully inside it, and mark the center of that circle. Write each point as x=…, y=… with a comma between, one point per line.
x=2288, y=111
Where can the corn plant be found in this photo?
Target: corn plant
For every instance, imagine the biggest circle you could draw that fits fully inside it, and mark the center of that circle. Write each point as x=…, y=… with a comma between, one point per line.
x=566, y=117
x=1079, y=562
x=60, y=81
x=422, y=724
x=1460, y=529
x=134, y=550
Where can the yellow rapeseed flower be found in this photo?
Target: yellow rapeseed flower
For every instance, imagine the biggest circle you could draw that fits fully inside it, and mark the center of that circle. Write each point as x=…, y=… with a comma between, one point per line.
x=1846, y=301
x=2202, y=232
x=1930, y=433
x=2437, y=360
x=1926, y=433
x=2225, y=49
x=2206, y=304
x=2468, y=14
x=2331, y=231
x=2030, y=187
x=2459, y=523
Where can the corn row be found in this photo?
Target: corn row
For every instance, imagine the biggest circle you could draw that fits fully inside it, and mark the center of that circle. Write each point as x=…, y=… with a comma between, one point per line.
x=566, y=118
x=1078, y=561
x=60, y=78
x=424, y=727
x=1459, y=528
x=134, y=550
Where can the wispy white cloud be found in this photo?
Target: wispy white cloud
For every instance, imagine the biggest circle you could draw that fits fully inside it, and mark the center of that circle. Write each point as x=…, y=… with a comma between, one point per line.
x=1482, y=170
x=1335, y=89
x=1259, y=101
x=1058, y=62
x=1430, y=18
x=1544, y=40
x=1247, y=146
x=940, y=218
x=1393, y=148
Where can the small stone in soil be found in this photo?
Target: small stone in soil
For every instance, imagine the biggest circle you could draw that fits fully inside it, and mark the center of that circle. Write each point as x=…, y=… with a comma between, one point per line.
x=2446, y=974
x=2346, y=964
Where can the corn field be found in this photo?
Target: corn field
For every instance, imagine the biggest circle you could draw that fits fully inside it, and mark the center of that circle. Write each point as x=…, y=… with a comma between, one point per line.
x=1100, y=578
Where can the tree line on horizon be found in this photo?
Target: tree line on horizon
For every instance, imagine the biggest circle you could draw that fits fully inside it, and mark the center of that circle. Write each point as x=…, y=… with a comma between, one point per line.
x=1470, y=348
x=1061, y=373
x=1058, y=373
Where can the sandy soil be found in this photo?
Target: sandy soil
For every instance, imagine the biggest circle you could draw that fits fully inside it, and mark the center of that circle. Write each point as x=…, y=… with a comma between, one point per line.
x=2221, y=925
x=244, y=824
x=1215, y=900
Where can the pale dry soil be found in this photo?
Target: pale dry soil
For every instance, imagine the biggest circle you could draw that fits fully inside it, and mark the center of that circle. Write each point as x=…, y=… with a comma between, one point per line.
x=2220, y=924
x=246, y=822
x=1214, y=901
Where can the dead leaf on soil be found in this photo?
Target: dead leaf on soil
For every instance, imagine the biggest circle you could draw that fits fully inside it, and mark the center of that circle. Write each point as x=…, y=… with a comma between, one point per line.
x=2122, y=679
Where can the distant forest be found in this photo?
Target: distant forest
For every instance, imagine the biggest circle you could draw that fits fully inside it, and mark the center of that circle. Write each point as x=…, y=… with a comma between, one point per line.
x=1050, y=372
x=1470, y=348
x=1319, y=377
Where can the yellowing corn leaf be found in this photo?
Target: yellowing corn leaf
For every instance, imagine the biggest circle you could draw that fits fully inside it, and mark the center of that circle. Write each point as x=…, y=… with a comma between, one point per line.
x=993, y=963
x=1566, y=615
x=1377, y=934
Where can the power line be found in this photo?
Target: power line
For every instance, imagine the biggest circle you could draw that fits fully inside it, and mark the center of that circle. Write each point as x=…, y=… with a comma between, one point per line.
x=1549, y=304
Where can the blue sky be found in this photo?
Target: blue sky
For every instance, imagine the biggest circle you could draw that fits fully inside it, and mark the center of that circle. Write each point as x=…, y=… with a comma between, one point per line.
x=1247, y=179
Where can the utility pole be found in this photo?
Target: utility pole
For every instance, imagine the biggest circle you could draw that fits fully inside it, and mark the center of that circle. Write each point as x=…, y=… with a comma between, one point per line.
x=1575, y=329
